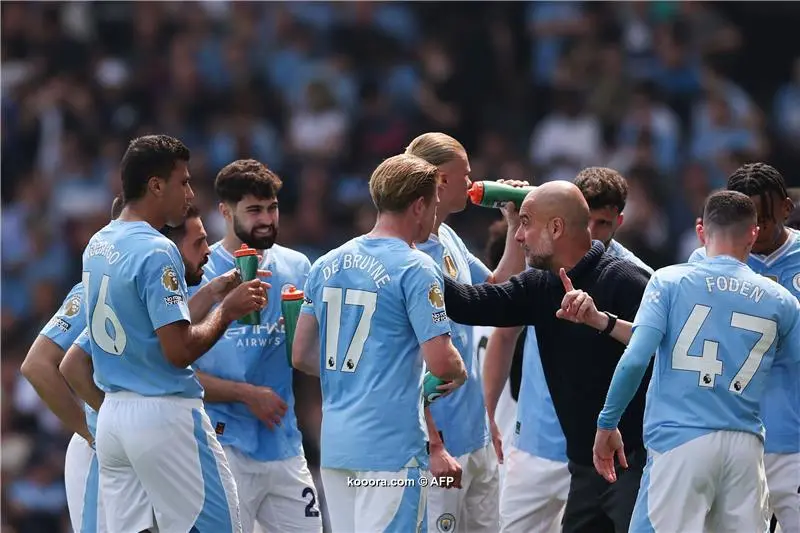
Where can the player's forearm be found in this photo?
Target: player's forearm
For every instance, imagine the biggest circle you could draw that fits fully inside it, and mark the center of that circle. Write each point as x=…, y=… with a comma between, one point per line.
x=78, y=372
x=305, y=345
x=434, y=439
x=513, y=259
x=497, y=365
x=43, y=374
x=203, y=336
x=201, y=302
x=218, y=390
x=628, y=375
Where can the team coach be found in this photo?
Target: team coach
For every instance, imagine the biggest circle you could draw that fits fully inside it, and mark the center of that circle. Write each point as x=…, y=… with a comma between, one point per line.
x=578, y=361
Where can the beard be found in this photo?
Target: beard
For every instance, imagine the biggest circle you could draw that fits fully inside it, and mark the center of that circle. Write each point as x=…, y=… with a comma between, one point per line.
x=194, y=276
x=540, y=262
x=250, y=239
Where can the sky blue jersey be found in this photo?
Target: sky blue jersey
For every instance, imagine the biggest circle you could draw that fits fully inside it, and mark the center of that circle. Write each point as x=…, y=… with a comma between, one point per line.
x=133, y=282
x=721, y=327
x=376, y=301
x=780, y=406
x=538, y=430
x=461, y=416
x=84, y=343
x=256, y=355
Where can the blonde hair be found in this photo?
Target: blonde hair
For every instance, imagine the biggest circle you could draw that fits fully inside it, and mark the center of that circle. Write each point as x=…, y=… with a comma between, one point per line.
x=435, y=148
x=400, y=180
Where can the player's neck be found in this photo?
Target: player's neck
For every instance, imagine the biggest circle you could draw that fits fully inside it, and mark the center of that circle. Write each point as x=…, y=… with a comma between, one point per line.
x=393, y=226
x=231, y=243
x=575, y=250
x=728, y=249
x=139, y=212
x=778, y=242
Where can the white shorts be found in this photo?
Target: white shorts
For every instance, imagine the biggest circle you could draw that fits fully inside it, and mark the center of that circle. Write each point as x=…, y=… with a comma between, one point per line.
x=475, y=507
x=712, y=483
x=164, y=444
x=279, y=495
x=783, y=480
x=82, y=483
x=534, y=493
x=373, y=509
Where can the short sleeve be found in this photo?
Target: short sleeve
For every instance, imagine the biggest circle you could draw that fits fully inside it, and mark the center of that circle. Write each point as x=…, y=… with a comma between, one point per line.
x=479, y=272
x=309, y=290
x=789, y=347
x=163, y=287
x=68, y=322
x=423, y=289
x=654, y=309
x=84, y=342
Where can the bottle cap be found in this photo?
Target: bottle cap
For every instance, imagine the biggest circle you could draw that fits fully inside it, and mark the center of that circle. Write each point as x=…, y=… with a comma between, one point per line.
x=292, y=293
x=475, y=192
x=245, y=250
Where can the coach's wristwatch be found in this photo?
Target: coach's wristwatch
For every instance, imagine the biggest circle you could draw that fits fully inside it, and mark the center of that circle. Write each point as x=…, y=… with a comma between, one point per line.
x=612, y=321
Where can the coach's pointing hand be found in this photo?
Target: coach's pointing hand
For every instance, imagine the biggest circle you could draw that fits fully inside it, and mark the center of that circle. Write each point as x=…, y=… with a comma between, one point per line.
x=577, y=306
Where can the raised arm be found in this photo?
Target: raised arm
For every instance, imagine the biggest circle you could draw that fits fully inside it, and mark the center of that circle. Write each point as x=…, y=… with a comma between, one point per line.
x=513, y=303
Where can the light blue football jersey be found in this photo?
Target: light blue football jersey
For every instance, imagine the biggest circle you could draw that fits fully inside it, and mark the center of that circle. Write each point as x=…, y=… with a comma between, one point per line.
x=461, y=416
x=780, y=406
x=133, y=280
x=723, y=326
x=256, y=355
x=376, y=301
x=68, y=322
x=84, y=343
x=538, y=431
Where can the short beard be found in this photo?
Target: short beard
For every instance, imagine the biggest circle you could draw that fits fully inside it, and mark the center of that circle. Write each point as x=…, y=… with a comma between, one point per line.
x=540, y=262
x=259, y=243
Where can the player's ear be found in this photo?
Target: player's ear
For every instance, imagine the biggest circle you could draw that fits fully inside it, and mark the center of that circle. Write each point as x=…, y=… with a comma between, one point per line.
x=701, y=234
x=155, y=185
x=620, y=218
x=754, y=231
x=788, y=207
x=225, y=211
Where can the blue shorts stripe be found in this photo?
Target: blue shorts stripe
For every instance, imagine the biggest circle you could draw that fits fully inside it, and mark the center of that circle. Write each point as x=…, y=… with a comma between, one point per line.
x=408, y=512
x=215, y=515
x=640, y=521
x=90, y=498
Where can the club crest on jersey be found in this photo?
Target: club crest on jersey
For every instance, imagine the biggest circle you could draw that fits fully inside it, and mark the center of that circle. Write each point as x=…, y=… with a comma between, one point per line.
x=450, y=266
x=435, y=296
x=73, y=306
x=446, y=523
x=169, y=279
x=796, y=282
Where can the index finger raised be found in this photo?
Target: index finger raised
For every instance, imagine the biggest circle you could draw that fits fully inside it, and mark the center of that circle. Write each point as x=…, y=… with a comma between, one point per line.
x=565, y=280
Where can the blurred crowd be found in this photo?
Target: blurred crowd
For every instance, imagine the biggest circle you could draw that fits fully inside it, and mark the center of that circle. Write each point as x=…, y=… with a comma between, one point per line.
x=673, y=95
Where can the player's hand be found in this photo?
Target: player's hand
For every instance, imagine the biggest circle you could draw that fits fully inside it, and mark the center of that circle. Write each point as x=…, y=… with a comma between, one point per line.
x=245, y=298
x=444, y=465
x=577, y=306
x=449, y=386
x=497, y=441
x=225, y=283
x=510, y=210
x=265, y=404
x=608, y=443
